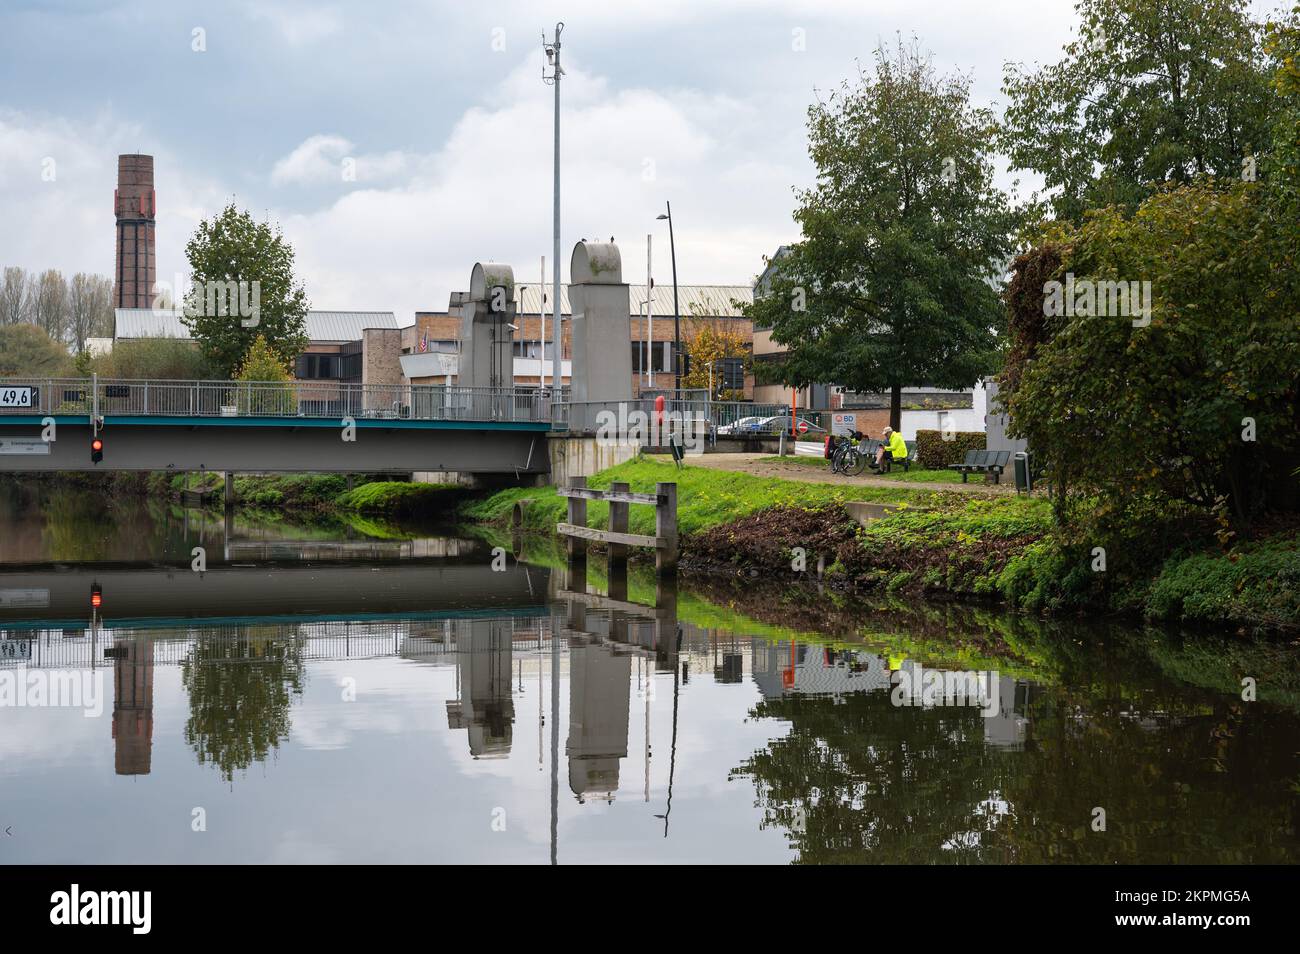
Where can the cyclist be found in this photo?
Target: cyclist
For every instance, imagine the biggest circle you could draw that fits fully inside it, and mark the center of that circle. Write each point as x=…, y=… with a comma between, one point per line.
x=893, y=445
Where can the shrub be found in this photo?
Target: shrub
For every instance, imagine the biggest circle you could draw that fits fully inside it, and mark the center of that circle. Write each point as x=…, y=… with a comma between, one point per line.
x=935, y=453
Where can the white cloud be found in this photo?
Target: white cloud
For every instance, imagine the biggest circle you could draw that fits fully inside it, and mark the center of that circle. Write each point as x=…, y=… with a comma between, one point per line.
x=299, y=24
x=486, y=194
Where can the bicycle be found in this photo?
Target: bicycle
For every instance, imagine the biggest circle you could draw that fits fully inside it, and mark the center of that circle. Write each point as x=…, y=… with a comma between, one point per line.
x=846, y=459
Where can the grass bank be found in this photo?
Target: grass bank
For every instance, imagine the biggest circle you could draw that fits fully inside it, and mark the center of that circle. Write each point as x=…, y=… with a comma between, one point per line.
x=1002, y=549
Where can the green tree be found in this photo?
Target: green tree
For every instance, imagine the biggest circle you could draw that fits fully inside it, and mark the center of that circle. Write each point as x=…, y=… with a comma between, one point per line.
x=263, y=364
x=1150, y=91
x=1201, y=403
x=26, y=350
x=904, y=238
x=708, y=343
x=236, y=261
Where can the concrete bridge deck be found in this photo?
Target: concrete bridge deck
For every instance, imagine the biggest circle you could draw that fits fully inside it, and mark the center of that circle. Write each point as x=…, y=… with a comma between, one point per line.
x=294, y=426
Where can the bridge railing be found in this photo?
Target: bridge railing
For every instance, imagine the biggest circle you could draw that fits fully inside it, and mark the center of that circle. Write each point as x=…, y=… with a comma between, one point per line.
x=740, y=418
x=289, y=399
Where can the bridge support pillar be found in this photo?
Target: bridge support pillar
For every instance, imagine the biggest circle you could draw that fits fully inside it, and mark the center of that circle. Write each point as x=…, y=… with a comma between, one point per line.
x=229, y=496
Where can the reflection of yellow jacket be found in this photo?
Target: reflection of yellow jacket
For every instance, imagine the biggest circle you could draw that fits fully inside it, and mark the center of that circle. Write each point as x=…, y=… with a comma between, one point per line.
x=897, y=446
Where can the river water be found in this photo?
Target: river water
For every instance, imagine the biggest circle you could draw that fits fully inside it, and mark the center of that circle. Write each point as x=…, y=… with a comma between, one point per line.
x=328, y=691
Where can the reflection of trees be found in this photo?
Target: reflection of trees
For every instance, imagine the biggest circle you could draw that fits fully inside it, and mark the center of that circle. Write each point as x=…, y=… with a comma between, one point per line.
x=867, y=781
x=241, y=688
x=863, y=781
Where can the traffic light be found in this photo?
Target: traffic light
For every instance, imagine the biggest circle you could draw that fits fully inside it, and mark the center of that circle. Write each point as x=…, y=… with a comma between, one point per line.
x=96, y=595
x=96, y=450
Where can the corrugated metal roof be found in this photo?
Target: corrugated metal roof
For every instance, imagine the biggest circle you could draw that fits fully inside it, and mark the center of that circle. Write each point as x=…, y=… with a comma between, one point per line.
x=707, y=300
x=322, y=326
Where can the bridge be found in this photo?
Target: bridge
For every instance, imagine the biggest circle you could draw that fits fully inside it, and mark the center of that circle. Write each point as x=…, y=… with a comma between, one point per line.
x=294, y=426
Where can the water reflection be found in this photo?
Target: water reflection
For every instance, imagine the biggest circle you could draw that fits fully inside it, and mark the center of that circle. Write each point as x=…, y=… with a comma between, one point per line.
x=393, y=711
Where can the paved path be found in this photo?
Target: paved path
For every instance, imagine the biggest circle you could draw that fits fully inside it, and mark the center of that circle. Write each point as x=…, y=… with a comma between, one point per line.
x=760, y=466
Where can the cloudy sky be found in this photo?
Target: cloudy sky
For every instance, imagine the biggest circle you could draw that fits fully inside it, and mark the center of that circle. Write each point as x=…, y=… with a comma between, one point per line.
x=441, y=107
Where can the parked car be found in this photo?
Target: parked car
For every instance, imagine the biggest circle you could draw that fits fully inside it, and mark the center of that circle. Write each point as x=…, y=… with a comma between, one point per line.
x=781, y=424
x=740, y=426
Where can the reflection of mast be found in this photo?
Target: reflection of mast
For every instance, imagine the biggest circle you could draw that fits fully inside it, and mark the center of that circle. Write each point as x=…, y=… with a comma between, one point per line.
x=672, y=752
x=555, y=743
x=133, y=705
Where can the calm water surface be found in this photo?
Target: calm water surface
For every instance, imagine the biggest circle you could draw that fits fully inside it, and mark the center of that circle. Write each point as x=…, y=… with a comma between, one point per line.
x=345, y=693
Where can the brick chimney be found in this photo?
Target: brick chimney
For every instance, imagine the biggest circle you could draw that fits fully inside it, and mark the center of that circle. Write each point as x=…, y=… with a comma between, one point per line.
x=134, y=205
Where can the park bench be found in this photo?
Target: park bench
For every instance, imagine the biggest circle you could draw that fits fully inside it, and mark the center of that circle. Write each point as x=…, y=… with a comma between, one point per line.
x=906, y=463
x=985, y=462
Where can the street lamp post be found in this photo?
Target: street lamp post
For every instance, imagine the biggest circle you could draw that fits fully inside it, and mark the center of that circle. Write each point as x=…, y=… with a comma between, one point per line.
x=553, y=57
x=677, y=315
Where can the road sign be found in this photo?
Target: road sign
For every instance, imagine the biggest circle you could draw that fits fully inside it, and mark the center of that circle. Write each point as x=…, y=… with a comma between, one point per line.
x=803, y=427
x=23, y=445
x=17, y=397
x=15, y=649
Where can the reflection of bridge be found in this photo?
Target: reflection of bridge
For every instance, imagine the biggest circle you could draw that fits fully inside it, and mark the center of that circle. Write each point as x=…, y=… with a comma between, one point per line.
x=154, y=597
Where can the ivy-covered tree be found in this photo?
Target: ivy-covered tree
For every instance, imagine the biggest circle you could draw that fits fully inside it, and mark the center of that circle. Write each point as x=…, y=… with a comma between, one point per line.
x=243, y=288
x=895, y=280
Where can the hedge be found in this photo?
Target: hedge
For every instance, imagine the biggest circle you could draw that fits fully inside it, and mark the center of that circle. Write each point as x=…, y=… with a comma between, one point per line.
x=935, y=453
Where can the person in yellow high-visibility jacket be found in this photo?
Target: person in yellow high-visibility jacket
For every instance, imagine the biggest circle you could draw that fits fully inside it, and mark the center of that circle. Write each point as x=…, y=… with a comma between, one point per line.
x=893, y=445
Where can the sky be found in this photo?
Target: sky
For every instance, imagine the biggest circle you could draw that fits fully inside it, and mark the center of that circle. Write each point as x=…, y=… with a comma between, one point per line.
x=441, y=109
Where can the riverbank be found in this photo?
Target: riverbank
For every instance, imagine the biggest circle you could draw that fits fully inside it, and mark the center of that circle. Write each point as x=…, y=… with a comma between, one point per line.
x=274, y=493
x=991, y=548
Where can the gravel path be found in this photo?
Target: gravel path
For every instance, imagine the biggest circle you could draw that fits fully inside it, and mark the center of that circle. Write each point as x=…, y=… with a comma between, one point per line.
x=756, y=464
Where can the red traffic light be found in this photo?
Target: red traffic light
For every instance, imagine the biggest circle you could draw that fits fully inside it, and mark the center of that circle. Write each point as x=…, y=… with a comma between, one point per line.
x=96, y=595
x=96, y=450
x=96, y=444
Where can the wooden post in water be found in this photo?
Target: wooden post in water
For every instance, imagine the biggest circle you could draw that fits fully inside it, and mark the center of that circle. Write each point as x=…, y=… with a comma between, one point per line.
x=618, y=522
x=666, y=528
x=577, y=546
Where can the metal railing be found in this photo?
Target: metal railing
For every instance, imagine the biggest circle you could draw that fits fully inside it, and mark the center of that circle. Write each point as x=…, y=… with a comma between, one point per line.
x=719, y=418
x=289, y=399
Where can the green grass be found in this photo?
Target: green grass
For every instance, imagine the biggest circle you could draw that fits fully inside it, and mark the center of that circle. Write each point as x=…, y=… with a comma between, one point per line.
x=705, y=497
x=1257, y=585
x=396, y=498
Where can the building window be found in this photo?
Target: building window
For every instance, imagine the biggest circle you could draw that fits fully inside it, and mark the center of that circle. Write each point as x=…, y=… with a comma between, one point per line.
x=659, y=351
x=317, y=367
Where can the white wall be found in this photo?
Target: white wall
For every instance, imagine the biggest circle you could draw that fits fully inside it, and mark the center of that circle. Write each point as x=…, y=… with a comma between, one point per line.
x=958, y=419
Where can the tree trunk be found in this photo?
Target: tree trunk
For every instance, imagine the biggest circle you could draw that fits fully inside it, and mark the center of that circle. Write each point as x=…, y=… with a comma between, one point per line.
x=896, y=407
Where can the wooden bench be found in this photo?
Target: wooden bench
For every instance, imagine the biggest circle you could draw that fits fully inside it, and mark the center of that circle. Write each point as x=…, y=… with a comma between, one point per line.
x=987, y=462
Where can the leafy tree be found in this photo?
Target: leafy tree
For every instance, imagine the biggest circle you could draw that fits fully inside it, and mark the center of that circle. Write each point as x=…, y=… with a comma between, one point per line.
x=27, y=351
x=1150, y=91
x=904, y=238
x=261, y=363
x=1201, y=405
x=708, y=343
x=229, y=250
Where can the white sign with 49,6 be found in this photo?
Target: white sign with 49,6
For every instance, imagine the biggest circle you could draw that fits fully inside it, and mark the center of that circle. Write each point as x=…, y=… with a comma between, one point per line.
x=16, y=397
